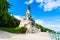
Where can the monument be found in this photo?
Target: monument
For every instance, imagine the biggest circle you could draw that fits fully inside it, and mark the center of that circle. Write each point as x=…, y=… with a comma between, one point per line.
x=28, y=22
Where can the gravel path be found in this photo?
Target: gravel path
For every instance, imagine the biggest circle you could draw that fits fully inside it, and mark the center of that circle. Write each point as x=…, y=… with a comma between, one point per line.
x=36, y=36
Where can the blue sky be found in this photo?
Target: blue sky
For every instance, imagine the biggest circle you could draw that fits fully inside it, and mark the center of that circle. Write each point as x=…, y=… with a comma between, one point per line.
x=45, y=12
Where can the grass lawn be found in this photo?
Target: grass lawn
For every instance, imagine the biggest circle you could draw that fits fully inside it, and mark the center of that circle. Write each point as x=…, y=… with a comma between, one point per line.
x=16, y=30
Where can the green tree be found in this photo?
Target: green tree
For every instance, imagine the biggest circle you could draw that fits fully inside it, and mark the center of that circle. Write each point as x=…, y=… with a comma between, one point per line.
x=6, y=20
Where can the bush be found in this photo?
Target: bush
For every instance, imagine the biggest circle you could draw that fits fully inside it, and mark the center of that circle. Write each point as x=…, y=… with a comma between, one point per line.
x=16, y=30
x=21, y=29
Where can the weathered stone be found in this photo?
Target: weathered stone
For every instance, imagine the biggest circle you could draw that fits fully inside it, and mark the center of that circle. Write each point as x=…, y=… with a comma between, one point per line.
x=28, y=22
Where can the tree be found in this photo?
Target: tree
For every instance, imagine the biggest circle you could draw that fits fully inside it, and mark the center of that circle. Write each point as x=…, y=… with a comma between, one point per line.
x=6, y=20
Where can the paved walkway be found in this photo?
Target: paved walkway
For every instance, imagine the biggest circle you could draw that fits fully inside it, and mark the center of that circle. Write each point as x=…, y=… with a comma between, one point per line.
x=36, y=36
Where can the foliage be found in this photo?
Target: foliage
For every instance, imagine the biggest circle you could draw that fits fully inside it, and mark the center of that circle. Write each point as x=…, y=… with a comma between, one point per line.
x=16, y=30
x=6, y=20
x=44, y=29
x=21, y=29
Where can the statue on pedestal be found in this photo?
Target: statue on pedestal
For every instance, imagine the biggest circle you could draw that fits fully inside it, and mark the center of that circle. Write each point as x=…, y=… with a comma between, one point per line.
x=28, y=22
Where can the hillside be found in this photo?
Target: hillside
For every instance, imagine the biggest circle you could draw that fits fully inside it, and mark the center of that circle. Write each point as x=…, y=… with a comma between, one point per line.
x=43, y=29
x=18, y=30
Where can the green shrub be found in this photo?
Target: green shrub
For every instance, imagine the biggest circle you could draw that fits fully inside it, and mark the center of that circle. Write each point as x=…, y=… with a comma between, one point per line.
x=16, y=30
x=21, y=29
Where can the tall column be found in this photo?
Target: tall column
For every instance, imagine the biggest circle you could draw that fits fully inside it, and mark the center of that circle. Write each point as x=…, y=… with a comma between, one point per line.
x=28, y=13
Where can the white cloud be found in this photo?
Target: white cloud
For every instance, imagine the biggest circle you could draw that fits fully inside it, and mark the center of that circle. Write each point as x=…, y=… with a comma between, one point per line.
x=46, y=24
x=18, y=17
x=30, y=1
x=49, y=4
x=39, y=1
x=52, y=5
x=39, y=21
